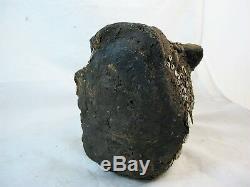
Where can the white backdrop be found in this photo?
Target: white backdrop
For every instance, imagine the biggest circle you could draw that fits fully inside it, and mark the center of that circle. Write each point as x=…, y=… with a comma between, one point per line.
x=226, y=41
x=42, y=44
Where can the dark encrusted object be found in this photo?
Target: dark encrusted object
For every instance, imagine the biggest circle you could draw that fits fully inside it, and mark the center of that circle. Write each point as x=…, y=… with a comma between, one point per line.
x=135, y=96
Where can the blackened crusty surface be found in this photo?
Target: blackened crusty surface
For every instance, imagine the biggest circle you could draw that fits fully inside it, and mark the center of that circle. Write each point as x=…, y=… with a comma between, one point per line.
x=135, y=96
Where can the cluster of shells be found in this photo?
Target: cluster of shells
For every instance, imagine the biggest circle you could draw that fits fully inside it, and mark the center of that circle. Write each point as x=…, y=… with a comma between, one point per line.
x=182, y=81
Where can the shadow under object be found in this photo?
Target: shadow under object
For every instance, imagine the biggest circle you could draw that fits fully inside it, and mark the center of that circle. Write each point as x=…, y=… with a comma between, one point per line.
x=136, y=97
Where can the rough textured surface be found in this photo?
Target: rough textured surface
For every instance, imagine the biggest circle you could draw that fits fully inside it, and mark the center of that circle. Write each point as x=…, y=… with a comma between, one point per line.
x=135, y=96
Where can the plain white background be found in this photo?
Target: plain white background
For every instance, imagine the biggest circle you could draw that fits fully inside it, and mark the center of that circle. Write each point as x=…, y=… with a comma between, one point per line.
x=42, y=44
x=226, y=41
